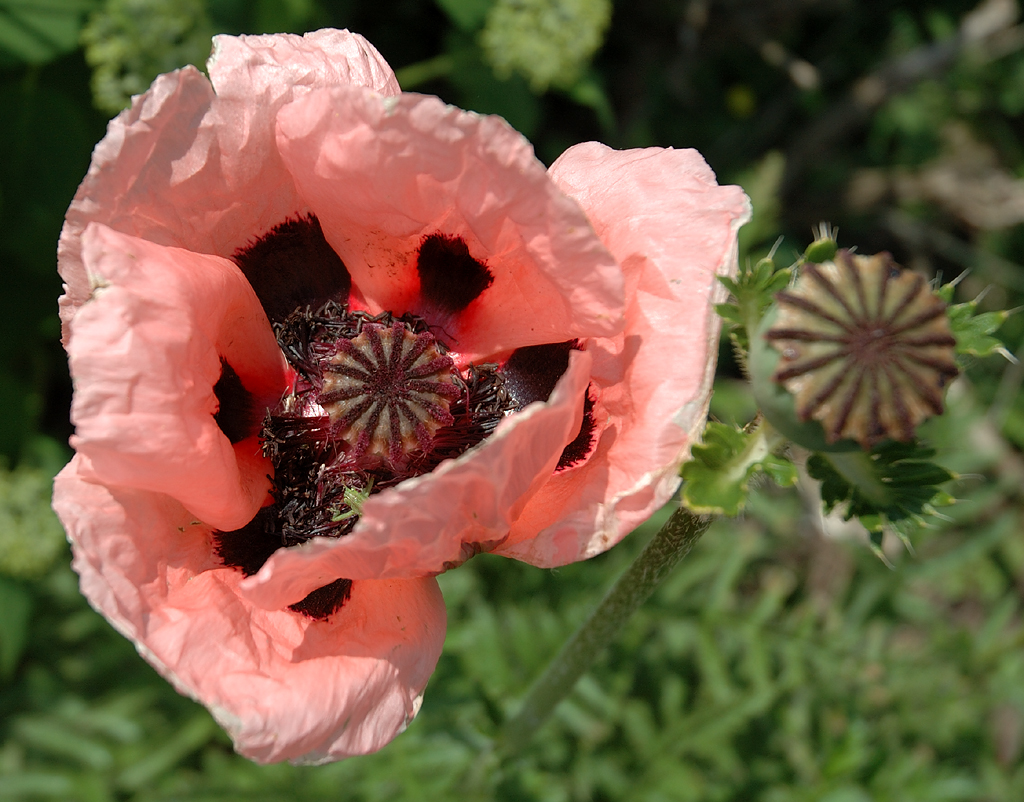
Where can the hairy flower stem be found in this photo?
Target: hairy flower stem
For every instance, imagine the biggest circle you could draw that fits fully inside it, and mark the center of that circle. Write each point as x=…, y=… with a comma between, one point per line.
x=668, y=547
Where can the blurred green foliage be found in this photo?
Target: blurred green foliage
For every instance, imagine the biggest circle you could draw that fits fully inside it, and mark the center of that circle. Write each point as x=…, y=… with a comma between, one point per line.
x=781, y=661
x=549, y=42
x=130, y=42
x=31, y=537
x=35, y=32
x=773, y=665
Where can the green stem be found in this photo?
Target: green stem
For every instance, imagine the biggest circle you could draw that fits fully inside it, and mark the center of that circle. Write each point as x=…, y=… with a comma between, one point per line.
x=672, y=543
x=423, y=71
x=857, y=469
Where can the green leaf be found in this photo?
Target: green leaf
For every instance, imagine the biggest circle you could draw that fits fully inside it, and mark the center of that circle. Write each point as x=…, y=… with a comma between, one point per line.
x=778, y=281
x=479, y=89
x=38, y=31
x=15, y=610
x=589, y=91
x=199, y=730
x=412, y=75
x=894, y=486
x=780, y=470
x=54, y=738
x=717, y=478
x=730, y=313
x=38, y=784
x=973, y=332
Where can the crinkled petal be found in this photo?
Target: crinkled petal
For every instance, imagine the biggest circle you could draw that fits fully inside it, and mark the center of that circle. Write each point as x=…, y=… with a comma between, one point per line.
x=673, y=230
x=384, y=173
x=187, y=168
x=145, y=354
x=285, y=65
x=284, y=686
x=128, y=185
x=437, y=521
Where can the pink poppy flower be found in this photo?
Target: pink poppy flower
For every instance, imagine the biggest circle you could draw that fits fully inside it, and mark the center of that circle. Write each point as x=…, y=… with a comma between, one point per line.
x=329, y=340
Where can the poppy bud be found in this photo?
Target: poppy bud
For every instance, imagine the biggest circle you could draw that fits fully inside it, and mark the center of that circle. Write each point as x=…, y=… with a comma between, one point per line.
x=856, y=352
x=824, y=246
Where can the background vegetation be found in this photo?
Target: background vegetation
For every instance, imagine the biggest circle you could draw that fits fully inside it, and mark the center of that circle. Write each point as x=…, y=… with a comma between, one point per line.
x=782, y=662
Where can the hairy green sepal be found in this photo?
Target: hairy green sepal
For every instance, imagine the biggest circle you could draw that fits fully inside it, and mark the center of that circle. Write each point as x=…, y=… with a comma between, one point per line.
x=717, y=479
x=894, y=486
x=973, y=331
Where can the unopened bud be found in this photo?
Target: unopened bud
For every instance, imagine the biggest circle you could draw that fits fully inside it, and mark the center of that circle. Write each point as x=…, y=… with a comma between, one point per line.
x=824, y=246
x=863, y=347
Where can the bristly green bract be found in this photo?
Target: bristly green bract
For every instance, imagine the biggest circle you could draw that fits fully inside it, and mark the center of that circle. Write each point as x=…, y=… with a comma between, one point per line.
x=753, y=292
x=717, y=478
x=973, y=331
x=910, y=484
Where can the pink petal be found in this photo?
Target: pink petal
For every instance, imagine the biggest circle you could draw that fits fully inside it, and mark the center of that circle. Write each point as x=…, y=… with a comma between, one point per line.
x=283, y=65
x=145, y=353
x=128, y=185
x=673, y=229
x=383, y=173
x=436, y=521
x=284, y=686
x=185, y=168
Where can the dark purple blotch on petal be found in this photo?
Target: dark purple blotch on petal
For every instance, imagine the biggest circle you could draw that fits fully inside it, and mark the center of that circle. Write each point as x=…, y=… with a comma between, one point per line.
x=248, y=548
x=579, y=449
x=236, y=413
x=450, y=279
x=532, y=372
x=324, y=601
x=292, y=266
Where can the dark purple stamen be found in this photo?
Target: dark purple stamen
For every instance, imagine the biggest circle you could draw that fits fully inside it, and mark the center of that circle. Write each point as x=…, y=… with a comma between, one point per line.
x=376, y=400
x=531, y=374
x=579, y=449
x=316, y=470
x=250, y=547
